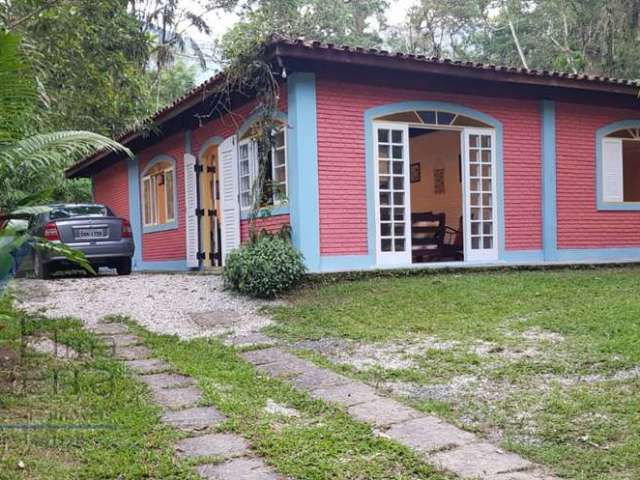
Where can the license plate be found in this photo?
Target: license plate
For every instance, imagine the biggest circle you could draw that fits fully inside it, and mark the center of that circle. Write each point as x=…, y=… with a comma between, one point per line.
x=91, y=233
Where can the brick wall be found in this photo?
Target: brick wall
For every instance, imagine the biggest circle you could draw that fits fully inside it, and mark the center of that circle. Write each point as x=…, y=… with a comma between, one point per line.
x=580, y=224
x=270, y=224
x=170, y=244
x=341, y=161
x=111, y=188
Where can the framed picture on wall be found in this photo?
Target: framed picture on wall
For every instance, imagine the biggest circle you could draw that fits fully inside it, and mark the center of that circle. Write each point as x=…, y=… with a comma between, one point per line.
x=414, y=172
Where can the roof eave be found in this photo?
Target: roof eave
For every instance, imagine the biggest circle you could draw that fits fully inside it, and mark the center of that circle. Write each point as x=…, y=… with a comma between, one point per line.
x=419, y=64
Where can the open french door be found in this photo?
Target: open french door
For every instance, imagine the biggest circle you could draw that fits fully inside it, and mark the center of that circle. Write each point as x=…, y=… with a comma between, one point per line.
x=481, y=218
x=393, y=209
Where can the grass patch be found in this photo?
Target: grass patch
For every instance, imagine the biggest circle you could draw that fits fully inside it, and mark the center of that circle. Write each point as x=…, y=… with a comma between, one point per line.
x=95, y=422
x=541, y=349
x=323, y=442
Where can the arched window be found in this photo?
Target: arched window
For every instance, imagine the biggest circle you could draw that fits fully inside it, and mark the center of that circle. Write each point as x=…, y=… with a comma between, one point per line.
x=158, y=193
x=620, y=166
x=433, y=118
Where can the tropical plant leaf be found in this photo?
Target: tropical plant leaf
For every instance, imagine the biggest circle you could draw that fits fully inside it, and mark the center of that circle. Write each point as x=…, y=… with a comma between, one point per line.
x=60, y=249
x=55, y=149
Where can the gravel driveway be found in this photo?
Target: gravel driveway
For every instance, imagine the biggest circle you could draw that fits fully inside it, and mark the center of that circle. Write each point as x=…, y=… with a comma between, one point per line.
x=186, y=305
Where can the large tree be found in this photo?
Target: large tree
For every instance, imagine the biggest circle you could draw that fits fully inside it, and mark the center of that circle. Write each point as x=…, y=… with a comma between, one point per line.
x=593, y=36
x=341, y=21
x=90, y=59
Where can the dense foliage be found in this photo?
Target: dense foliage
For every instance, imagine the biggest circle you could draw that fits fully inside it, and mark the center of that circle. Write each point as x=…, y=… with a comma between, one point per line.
x=265, y=268
x=92, y=61
x=337, y=21
x=592, y=36
x=25, y=151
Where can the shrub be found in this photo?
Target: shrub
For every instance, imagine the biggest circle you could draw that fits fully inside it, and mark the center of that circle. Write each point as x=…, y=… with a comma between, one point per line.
x=264, y=268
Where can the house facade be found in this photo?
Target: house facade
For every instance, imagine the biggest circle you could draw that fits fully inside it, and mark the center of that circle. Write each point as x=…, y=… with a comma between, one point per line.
x=389, y=161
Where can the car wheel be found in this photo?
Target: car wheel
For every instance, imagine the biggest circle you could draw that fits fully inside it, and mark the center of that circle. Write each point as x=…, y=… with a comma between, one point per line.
x=124, y=266
x=40, y=268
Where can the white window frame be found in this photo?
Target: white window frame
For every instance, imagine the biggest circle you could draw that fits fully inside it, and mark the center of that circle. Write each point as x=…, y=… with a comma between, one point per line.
x=153, y=221
x=251, y=154
x=253, y=169
x=285, y=165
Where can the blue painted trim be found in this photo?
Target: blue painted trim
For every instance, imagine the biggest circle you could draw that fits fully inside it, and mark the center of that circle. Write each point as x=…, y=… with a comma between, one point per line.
x=253, y=118
x=173, y=225
x=549, y=184
x=302, y=157
x=600, y=134
x=216, y=140
x=523, y=256
x=373, y=113
x=345, y=263
x=273, y=212
x=135, y=215
x=599, y=255
x=165, y=227
x=164, y=266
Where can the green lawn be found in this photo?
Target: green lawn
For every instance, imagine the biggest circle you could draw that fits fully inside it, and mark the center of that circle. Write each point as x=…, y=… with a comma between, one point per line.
x=100, y=424
x=544, y=362
x=321, y=443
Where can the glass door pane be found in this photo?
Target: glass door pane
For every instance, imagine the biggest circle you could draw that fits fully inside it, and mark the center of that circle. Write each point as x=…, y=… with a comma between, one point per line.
x=481, y=236
x=392, y=194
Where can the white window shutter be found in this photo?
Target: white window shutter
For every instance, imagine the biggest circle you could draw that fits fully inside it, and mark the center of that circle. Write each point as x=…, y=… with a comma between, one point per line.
x=612, y=168
x=191, y=201
x=229, y=196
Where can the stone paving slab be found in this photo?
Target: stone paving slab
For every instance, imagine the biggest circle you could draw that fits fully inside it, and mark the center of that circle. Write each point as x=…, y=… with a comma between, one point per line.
x=383, y=412
x=314, y=377
x=250, y=340
x=290, y=368
x=177, y=398
x=269, y=355
x=213, y=444
x=121, y=340
x=479, y=460
x=526, y=475
x=166, y=380
x=134, y=352
x=109, y=329
x=442, y=444
x=148, y=366
x=429, y=434
x=348, y=395
x=194, y=419
x=238, y=469
x=49, y=347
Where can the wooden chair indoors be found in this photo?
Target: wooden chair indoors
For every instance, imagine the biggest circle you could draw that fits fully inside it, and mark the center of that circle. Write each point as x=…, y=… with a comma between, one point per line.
x=427, y=236
x=453, y=248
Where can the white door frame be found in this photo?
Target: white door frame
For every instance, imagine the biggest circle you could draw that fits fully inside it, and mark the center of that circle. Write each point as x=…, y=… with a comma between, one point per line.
x=384, y=259
x=473, y=253
x=393, y=258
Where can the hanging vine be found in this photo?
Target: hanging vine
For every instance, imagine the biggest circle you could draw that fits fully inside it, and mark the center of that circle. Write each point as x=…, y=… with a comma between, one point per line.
x=251, y=76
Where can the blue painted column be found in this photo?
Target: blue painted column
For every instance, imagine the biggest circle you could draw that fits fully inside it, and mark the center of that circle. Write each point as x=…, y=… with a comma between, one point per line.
x=303, y=167
x=549, y=192
x=135, y=216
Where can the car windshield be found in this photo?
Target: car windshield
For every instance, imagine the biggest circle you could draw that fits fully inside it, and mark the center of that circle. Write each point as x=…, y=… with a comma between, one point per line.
x=79, y=211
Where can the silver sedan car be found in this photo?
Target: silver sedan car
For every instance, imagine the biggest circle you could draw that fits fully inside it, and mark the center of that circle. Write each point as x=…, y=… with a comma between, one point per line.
x=105, y=239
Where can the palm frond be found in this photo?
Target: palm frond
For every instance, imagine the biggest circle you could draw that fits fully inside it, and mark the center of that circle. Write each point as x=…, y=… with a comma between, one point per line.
x=55, y=149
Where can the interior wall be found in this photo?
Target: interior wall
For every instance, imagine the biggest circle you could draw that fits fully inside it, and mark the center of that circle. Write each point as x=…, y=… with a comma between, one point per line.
x=631, y=170
x=437, y=150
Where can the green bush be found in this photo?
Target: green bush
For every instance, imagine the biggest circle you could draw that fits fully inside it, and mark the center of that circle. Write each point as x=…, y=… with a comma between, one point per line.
x=264, y=268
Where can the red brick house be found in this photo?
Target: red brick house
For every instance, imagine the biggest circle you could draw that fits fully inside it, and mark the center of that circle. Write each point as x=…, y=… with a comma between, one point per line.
x=390, y=160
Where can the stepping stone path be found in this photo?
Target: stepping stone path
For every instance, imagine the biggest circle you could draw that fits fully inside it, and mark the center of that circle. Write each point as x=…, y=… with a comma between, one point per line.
x=49, y=347
x=439, y=443
x=181, y=399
